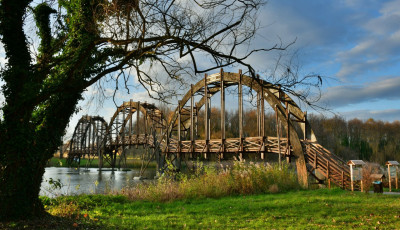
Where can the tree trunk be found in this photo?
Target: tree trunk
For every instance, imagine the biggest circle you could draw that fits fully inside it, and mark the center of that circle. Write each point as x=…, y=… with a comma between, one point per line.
x=19, y=191
x=24, y=152
x=22, y=166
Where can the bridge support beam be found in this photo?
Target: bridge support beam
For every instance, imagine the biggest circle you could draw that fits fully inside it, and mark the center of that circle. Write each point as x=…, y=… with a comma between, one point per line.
x=137, y=123
x=240, y=89
x=278, y=134
x=222, y=115
x=301, y=168
x=262, y=113
x=293, y=139
x=287, y=152
x=191, y=121
x=100, y=148
x=122, y=157
x=130, y=121
x=206, y=117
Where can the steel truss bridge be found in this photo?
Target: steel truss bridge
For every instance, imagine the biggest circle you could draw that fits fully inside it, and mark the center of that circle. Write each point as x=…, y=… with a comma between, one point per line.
x=177, y=139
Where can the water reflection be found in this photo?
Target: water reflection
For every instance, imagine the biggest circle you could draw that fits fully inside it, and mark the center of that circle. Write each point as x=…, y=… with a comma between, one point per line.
x=81, y=181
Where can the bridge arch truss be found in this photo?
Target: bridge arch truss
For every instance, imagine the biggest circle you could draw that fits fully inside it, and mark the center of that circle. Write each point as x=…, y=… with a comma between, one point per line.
x=87, y=139
x=287, y=111
x=123, y=133
x=93, y=137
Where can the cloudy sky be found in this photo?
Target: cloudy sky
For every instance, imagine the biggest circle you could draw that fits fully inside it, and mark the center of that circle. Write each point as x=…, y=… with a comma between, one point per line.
x=355, y=44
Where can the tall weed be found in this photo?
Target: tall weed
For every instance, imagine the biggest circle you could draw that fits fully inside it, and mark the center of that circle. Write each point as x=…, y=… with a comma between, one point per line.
x=239, y=178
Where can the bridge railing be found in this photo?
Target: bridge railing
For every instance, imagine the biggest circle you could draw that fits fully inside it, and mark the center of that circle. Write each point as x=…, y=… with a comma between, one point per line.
x=230, y=145
x=133, y=140
x=328, y=164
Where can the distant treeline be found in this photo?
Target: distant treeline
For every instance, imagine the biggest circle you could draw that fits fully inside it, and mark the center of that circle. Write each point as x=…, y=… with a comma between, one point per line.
x=370, y=140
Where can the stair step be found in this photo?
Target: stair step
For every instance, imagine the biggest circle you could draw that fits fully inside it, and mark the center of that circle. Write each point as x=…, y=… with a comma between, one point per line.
x=319, y=157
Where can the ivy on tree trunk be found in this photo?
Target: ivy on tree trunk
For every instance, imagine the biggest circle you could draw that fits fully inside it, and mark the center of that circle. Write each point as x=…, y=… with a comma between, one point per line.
x=34, y=119
x=86, y=41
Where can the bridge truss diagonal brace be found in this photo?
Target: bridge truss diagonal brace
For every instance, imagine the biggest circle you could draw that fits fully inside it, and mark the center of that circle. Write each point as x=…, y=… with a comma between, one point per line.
x=269, y=93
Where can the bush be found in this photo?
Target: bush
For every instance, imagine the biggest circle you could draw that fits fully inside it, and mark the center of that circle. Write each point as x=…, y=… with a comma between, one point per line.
x=368, y=170
x=238, y=179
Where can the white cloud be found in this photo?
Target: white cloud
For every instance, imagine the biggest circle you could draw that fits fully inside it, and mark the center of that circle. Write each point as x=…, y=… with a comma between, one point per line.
x=378, y=48
x=320, y=29
x=385, y=115
x=340, y=96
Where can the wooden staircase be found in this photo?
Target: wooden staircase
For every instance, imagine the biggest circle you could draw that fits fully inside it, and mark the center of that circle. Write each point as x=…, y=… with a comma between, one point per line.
x=322, y=164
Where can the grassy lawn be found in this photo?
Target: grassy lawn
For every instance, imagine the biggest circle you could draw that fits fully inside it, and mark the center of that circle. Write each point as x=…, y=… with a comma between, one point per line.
x=312, y=209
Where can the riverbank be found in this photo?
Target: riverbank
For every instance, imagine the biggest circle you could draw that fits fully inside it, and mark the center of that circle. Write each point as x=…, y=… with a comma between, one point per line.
x=309, y=209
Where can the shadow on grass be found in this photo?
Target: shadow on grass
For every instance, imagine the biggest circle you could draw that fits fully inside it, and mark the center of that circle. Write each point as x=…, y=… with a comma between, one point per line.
x=50, y=222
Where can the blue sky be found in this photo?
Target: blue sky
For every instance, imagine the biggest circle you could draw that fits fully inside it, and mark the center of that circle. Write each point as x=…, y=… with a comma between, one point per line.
x=355, y=44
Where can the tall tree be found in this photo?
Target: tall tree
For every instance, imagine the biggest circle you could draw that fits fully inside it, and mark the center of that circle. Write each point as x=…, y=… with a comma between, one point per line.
x=83, y=41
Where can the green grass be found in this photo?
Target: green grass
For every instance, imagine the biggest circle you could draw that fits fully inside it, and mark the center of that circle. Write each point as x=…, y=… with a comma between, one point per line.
x=312, y=209
x=241, y=196
x=387, y=189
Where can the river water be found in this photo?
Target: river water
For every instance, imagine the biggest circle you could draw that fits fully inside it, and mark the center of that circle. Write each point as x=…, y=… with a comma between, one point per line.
x=89, y=181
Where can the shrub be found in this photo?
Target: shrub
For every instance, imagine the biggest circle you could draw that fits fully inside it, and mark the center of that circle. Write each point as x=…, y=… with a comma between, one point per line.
x=64, y=209
x=368, y=170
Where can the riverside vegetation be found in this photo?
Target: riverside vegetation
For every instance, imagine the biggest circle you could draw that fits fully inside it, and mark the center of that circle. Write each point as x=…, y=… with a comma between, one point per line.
x=239, y=179
x=243, y=195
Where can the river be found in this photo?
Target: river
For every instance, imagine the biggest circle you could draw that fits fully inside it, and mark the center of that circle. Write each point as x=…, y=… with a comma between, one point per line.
x=88, y=181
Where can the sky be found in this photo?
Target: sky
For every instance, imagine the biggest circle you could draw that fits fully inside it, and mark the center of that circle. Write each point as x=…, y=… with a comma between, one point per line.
x=353, y=44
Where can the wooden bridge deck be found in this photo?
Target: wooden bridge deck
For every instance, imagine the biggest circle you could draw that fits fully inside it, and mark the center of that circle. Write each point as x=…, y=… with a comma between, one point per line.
x=230, y=145
x=141, y=139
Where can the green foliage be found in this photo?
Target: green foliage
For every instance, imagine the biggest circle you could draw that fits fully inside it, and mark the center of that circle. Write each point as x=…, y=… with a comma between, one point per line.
x=55, y=184
x=317, y=209
x=40, y=96
x=42, y=13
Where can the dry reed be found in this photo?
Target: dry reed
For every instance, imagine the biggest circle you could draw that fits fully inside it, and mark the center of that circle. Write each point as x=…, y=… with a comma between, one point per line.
x=238, y=179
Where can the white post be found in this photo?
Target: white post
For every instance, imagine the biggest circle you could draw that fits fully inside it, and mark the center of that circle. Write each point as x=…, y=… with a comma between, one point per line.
x=351, y=177
x=397, y=186
x=390, y=179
